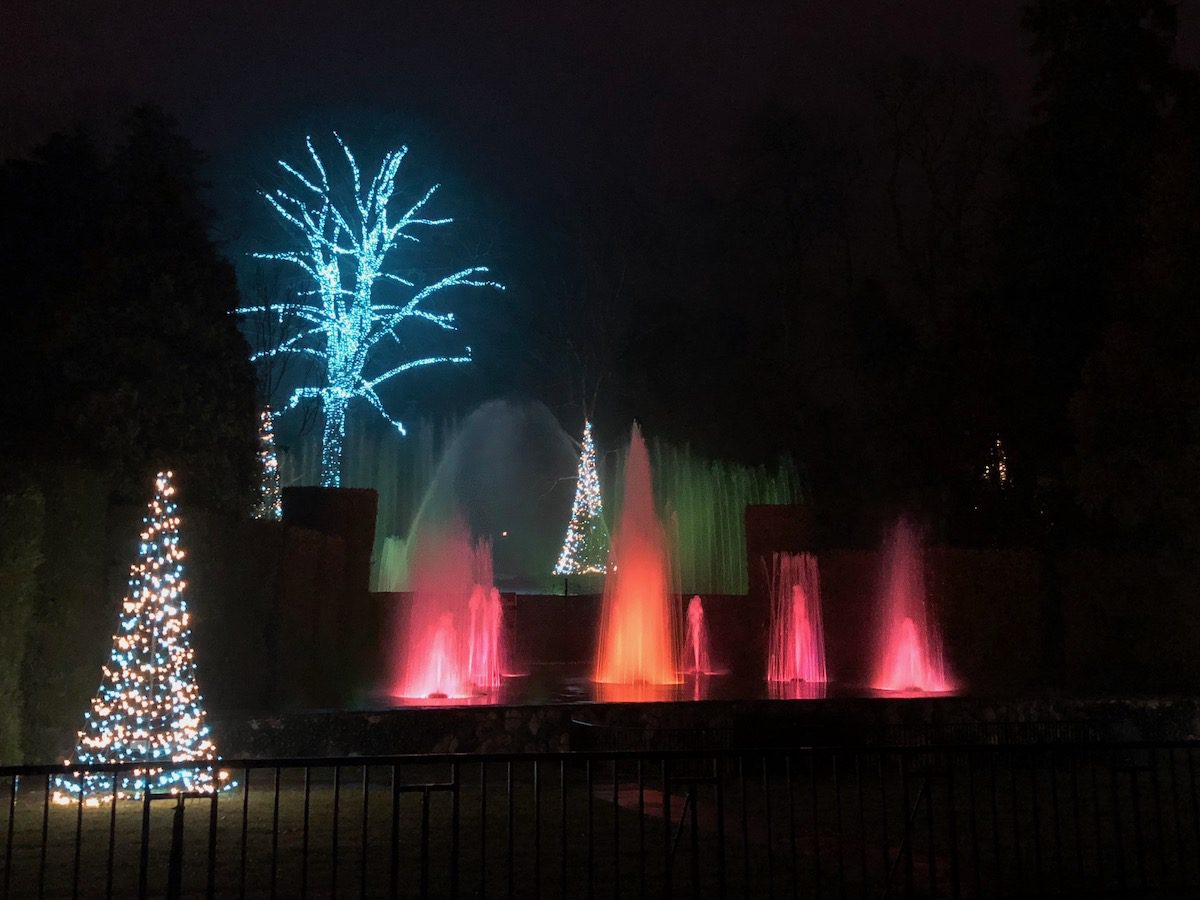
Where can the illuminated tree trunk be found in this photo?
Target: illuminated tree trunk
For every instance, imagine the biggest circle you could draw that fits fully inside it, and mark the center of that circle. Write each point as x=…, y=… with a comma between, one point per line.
x=332, y=436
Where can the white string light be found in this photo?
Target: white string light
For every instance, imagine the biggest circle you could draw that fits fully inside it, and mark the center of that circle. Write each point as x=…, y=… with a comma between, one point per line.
x=148, y=708
x=270, y=497
x=585, y=548
x=995, y=470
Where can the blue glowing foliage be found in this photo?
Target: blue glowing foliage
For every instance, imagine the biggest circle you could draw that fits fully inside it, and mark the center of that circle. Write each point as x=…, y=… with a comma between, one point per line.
x=347, y=245
x=148, y=708
x=585, y=548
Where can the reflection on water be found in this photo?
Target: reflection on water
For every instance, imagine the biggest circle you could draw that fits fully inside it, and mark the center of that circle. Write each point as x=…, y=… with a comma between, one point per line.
x=906, y=695
x=798, y=690
x=572, y=684
x=636, y=693
x=392, y=700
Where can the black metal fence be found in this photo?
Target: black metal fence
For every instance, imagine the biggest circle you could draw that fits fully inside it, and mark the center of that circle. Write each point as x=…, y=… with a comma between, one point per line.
x=761, y=734
x=963, y=821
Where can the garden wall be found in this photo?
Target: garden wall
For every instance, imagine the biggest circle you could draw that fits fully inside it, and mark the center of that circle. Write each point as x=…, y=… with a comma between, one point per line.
x=283, y=620
x=750, y=724
x=989, y=602
x=1121, y=623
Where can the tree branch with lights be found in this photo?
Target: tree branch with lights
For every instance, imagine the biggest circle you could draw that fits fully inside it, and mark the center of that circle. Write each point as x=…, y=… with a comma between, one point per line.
x=348, y=245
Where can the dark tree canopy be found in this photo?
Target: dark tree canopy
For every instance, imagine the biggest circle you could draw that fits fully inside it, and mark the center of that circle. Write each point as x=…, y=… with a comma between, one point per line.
x=885, y=290
x=1104, y=89
x=1136, y=415
x=124, y=354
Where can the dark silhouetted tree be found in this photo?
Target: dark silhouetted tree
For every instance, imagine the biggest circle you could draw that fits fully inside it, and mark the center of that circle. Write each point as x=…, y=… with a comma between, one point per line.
x=1104, y=82
x=127, y=357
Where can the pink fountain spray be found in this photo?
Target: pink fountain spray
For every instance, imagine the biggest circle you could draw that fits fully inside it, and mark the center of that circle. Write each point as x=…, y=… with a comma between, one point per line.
x=696, y=659
x=910, y=656
x=797, y=651
x=452, y=642
x=484, y=662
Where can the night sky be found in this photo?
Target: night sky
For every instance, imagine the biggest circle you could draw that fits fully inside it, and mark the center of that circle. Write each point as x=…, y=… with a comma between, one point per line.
x=549, y=88
x=537, y=104
x=545, y=87
x=527, y=99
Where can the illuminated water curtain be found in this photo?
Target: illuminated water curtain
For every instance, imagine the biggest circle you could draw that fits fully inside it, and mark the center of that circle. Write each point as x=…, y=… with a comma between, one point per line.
x=585, y=549
x=350, y=319
x=270, y=497
x=148, y=708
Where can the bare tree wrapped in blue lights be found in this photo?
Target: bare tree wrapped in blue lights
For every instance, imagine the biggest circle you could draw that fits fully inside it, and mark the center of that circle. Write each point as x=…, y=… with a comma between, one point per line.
x=347, y=245
x=148, y=708
x=585, y=548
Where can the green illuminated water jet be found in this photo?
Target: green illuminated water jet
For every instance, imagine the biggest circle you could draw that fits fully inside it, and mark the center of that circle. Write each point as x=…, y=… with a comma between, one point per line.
x=703, y=500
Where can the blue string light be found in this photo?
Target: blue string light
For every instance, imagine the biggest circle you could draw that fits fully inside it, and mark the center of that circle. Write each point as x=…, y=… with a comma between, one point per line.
x=346, y=247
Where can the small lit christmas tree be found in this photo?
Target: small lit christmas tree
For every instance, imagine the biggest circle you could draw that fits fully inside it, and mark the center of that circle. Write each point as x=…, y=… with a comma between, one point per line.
x=995, y=470
x=148, y=707
x=270, y=499
x=585, y=549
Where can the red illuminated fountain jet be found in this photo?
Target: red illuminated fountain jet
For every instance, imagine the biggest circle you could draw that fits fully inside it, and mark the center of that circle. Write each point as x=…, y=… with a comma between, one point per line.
x=451, y=646
x=910, y=656
x=797, y=649
x=638, y=629
x=696, y=659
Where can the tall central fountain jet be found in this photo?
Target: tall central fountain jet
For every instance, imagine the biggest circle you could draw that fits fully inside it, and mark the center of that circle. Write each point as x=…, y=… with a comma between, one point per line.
x=639, y=619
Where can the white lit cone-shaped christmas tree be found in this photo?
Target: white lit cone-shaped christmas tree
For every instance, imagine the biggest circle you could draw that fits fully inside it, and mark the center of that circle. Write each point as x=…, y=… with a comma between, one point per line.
x=585, y=550
x=148, y=708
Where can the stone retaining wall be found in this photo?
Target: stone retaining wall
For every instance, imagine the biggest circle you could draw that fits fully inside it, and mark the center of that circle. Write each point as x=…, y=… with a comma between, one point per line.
x=707, y=724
